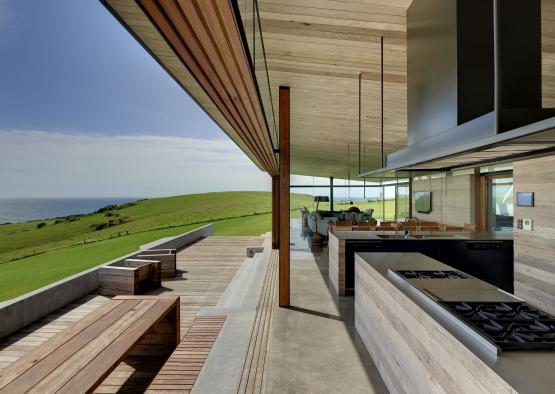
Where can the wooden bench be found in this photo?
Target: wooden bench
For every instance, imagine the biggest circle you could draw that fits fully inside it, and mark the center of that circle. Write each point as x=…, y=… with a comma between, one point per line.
x=79, y=358
x=130, y=277
x=180, y=372
x=166, y=257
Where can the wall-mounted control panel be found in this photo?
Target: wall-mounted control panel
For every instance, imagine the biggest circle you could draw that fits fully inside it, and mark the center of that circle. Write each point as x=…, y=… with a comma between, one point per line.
x=527, y=224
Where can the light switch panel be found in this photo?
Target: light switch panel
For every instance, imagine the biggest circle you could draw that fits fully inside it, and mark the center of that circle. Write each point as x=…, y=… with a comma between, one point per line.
x=527, y=224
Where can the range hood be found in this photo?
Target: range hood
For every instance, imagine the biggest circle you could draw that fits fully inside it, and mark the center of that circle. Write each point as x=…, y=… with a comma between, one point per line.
x=474, y=81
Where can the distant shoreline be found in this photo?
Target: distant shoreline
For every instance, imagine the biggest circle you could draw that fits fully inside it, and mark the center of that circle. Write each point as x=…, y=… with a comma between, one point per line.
x=20, y=210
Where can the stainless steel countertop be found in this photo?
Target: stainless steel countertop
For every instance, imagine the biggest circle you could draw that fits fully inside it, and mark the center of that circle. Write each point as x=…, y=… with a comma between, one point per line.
x=448, y=235
x=525, y=371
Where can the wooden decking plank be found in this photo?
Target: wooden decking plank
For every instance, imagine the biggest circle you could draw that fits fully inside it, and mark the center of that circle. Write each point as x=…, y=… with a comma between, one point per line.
x=36, y=365
x=88, y=376
x=80, y=359
x=205, y=269
x=183, y=359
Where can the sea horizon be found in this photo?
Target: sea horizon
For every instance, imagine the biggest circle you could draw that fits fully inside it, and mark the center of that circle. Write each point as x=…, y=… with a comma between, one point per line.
x=24, y=209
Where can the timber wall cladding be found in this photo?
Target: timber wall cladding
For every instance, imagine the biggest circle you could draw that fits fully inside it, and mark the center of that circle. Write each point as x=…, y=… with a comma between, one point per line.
x=413, y=352
x=535, y=250
x=452, y=199
x=548, y=53
x=336, y=261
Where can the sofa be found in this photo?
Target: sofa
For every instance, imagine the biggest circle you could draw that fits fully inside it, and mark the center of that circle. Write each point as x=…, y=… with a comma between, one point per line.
x=320, y=222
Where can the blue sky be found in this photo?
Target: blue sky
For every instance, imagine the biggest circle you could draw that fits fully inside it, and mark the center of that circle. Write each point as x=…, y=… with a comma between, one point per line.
x=70, y=66
x=72, y=76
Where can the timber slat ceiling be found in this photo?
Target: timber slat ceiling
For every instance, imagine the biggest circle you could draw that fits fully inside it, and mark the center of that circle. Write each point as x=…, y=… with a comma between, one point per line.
x=319, y=48
x=204, y=37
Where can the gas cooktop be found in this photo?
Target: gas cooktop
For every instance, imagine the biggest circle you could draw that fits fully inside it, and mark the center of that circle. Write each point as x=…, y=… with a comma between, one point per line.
x=509, y=325
x=432, y=274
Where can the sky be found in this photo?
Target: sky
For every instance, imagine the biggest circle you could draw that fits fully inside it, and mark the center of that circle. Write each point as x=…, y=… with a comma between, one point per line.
x=85, y=111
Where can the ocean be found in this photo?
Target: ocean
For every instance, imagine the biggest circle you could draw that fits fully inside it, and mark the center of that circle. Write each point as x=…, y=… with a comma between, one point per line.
x=13, y=210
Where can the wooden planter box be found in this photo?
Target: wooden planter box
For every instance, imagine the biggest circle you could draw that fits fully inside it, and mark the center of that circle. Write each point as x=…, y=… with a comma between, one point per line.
x=166, y=257
x=130, y=277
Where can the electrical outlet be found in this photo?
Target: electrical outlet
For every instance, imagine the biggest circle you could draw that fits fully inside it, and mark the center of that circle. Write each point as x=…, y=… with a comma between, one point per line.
x=519, y=224
x=527, y=224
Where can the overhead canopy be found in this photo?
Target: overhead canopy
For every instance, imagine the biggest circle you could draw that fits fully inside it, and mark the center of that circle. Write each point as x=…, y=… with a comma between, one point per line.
x=321, y=49
x=328, y=52
x=199, y=45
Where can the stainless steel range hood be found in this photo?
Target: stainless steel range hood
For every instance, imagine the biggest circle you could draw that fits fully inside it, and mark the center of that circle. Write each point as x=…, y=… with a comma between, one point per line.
x=474, y=85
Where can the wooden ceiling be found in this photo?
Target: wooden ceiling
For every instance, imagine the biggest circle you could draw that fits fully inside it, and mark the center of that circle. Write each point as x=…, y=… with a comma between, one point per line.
x=327, y=51
x=319, y=48
x=199, y=43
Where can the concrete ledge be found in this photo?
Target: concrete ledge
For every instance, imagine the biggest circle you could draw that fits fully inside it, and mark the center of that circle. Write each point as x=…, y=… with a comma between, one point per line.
x=252, y=250
x=223, y=368
x=24, y=310
x=180, y=241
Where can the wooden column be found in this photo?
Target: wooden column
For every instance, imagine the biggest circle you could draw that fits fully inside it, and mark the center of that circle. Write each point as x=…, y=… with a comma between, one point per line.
x=480, y=192
x=275, y=212
x=284, y=252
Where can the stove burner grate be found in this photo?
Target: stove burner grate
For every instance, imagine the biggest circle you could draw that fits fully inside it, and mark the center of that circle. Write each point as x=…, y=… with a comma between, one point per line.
x=432, y=274
x=510, y=325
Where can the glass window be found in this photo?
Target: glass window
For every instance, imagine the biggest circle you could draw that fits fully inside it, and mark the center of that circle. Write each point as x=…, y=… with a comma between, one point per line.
x=374, y=200
x=500, y=192
x=389, y=202
x=402, y=201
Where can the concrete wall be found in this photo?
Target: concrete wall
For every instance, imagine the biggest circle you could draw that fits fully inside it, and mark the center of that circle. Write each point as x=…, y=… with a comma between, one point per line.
x=180, y=240
x=535, y=250
x=24, y=310
x=452, y=199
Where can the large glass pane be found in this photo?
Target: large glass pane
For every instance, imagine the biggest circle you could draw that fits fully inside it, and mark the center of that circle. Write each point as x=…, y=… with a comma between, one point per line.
x=501, y=203
x=402, y=201
x=389, y=202
x=374, y=200
x=263, y=81
x=250, y=19
x=246, y=9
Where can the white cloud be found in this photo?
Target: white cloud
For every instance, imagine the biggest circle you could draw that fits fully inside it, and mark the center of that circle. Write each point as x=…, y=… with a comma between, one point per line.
x=46, y=164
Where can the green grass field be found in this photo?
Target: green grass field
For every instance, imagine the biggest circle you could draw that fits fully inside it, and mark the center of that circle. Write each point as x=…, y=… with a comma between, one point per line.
x=32, y=257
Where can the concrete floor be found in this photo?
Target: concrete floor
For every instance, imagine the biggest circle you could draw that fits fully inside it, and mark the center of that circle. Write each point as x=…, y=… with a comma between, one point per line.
x=313, y=346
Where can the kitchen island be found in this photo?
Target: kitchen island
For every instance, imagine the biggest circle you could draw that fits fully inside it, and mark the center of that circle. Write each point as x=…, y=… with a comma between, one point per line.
x=484, y=254
x=418, y=347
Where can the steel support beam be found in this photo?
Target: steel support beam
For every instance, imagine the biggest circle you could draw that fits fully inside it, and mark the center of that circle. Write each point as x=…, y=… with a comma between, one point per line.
x=331, y=193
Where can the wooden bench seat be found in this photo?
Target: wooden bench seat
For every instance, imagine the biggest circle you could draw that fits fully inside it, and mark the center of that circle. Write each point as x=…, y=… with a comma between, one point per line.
x=180, y=372
x=79, y=358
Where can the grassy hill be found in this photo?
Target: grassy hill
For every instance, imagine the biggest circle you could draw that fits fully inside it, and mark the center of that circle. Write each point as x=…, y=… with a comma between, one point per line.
x=33, y=255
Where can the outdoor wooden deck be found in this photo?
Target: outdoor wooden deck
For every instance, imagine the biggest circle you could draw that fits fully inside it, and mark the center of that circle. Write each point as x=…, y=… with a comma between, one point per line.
x=205, y=269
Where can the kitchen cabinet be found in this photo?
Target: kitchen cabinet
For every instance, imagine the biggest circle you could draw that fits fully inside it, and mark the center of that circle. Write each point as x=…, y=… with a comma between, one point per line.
x=491, y=261
x=352, y=247
x=427, y=248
